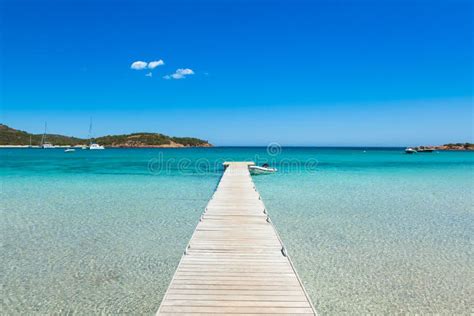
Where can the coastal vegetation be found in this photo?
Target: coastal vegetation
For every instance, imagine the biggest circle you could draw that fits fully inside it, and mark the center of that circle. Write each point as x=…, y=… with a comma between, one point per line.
x=13, y=137
x=150, y=140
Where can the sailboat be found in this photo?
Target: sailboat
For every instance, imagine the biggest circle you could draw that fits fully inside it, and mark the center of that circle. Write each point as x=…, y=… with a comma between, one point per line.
x=44, y=143
x=93, y=146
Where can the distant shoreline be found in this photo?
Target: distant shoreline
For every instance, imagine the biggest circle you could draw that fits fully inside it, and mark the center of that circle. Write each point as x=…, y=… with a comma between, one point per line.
x=10, y=137
x=447, y=147
x=110, y=147
x=436, y=148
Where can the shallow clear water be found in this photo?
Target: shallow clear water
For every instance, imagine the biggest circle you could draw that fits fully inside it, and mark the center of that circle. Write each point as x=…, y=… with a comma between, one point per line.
x=373, y=231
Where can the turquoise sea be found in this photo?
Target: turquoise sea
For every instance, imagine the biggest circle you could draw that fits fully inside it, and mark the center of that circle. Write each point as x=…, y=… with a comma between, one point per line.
x=370, y=230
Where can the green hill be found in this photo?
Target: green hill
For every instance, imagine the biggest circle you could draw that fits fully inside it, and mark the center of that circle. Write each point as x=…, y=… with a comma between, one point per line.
x=150, y=140
x=11, y=136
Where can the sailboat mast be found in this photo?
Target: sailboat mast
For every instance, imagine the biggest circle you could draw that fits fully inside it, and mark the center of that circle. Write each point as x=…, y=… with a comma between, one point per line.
x=43, y=138
x=90, y=132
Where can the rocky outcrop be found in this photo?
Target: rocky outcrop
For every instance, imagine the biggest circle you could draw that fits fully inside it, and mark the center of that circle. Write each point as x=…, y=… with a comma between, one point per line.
x=456, y=146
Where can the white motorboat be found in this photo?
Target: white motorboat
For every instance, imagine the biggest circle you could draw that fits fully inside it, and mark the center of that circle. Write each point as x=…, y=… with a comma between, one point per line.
x=264, y=169
x=94, y=146
x=69, y=150
x=410, y=150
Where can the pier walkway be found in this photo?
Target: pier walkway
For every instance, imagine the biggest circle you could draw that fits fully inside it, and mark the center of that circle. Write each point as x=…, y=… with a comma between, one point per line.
x=235, y=262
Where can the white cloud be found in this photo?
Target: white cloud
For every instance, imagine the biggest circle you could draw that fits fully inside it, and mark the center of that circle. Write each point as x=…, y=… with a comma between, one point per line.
x=149, y=74
x=155, y=63
x=185, y=71
x=180, y=73
x=138, y=65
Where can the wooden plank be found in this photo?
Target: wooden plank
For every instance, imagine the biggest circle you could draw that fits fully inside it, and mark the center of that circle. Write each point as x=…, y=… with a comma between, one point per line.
x=260, y=287
x=233, y=314
x=231, y=293
x=236, y=282
x=235, y=309
x=237, y=301
x=238, y=278
x=234, y=269
x=234, y=262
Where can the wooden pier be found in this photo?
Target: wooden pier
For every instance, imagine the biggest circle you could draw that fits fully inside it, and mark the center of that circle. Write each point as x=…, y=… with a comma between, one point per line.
x=235, y=262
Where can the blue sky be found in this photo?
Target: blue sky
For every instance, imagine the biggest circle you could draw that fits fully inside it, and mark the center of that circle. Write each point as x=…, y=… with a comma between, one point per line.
x=294, y=72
